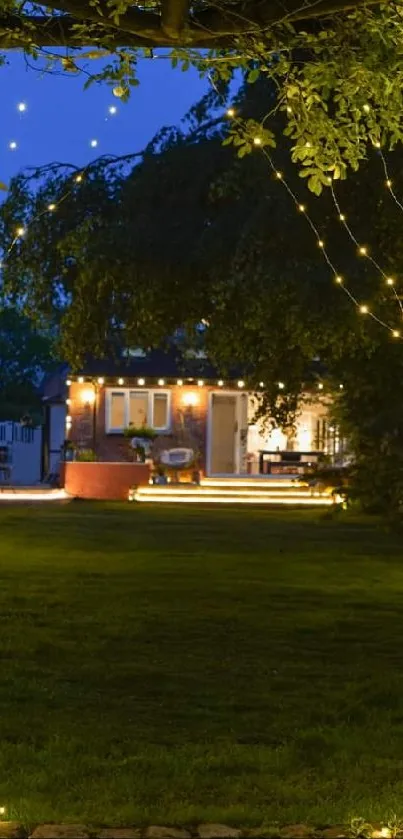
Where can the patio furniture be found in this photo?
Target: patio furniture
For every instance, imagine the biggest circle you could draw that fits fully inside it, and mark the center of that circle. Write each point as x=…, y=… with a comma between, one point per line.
x=286, y=462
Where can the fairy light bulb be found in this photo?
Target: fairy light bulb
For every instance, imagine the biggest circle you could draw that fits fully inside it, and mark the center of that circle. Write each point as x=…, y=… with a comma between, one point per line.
x=121, y=382
x=112, y=110
x=200, y=383
x=341, y=387
x=342, y=217
x=101, y=380
x=320, y=386
x=21, y=107
x=377, y=144
x=161, y=382
x=179, y=382
x=389, y=183
x=395, y=333
x=308, y=145
x=141, y=382
x=257, y=141
x=390, y=281
x=230, y=112
x=366, y=108
x=220, y=383
x=12, y=145
x=279, y=175
x=78, y=179
x=51, y=207
x=362, y=250
x=281, y=385
x=80, y=380
x=321, y=243
x=241, y=383
x=94, y=144
x=20, y=231
x=363, y=310
x=261, y=384
x=289, y=109
x=301, y=208
x=338, y=279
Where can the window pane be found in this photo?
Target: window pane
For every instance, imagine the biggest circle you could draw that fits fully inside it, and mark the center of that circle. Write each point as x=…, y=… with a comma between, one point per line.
x=138, y=408
x=160, y=410
x=117, y=418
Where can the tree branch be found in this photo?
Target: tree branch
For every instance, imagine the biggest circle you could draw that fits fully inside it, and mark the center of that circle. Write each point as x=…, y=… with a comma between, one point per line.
x=208, y=30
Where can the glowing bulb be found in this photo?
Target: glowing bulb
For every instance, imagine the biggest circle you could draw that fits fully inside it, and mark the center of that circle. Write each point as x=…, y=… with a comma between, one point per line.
x=338, y=279
x=281, y=385
x=231, y=112
x=80, y=380
x=141, y=382
x=307, y=144
x=261, y=384
x=200, y=383
x=220, y=383
x=390, y=281
x=180, y=382
x=121, y=381
x=2, y=811
x=366, y=108
x=68, y=401
x=377, y=144
x=68, y=420
x=320, y=386
x=341, y=387
x=362, y=250
x=88, y=397
x=289, y=109
x=101, y=380
x=119, y=91
x=94, y=144
x=21, y=107
x=12, y=145
x=241, y=383
x=78, y=179
x=279, y=175
x=51, y=207
x=389, y=183
x=396, y=333
x=364, y=310
x=257, y=141
x=68, y=382
x=161, y=382
x=321, y=243
x=113, y=110
x=20, y=231
x=301, y=208
x=342, y=217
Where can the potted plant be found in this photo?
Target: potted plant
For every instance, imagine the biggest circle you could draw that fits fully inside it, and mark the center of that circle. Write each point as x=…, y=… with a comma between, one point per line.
x=69, y=450
x=86, y=456
x=140, y=439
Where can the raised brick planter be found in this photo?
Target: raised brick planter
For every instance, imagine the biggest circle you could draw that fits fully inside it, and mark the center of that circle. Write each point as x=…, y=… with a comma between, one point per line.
x=104, y=481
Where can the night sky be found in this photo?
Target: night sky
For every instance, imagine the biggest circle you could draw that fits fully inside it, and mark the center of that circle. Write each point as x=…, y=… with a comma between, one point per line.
x=61, y=119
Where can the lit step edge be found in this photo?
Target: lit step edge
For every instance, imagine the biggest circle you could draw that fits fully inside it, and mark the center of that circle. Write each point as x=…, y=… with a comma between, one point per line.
x=257, y=493
x=207, y=499
x=258, y=482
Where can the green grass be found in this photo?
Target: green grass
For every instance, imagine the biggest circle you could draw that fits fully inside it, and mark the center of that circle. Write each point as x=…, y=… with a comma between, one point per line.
x=173, y=665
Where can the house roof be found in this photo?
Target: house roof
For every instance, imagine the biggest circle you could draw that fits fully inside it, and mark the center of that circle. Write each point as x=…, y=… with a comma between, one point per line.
x=155, y=363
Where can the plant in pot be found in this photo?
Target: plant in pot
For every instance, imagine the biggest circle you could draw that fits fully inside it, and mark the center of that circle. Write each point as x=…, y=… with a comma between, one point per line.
x=140, y=439
x=69, y=450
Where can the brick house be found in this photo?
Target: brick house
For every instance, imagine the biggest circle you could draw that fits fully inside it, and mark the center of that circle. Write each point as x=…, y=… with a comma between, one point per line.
x=188, y=405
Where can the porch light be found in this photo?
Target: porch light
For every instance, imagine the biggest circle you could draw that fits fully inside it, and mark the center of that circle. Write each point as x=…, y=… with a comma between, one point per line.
x=241, y=383
x=121, y=381
x=161, y=382
x=190, y=399
x=101, y=380
x=141, y=382
x=88, y=397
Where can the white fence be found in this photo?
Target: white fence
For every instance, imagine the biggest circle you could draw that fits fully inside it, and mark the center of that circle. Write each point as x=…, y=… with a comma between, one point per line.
x=24, y=453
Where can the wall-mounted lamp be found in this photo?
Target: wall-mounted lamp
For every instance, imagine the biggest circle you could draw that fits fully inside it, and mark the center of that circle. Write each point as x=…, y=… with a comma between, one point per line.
x=190, y=399
x=88, y=397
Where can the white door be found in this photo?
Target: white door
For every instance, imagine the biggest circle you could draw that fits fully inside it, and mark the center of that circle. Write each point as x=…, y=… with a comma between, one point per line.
x=224, y=434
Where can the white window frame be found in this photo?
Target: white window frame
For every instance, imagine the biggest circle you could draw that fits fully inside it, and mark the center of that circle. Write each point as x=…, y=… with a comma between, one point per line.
x=126, y=391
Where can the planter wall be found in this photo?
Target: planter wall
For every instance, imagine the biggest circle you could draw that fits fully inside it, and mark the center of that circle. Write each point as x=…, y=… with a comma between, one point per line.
x=104, y=481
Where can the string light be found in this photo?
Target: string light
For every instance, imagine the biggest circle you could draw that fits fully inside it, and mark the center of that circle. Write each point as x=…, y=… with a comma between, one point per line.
x=51, y=207
x=220, y=383
x=363, y=310
x=289, y=109
x=20, y=232
x=362, y=250
x=78, y=179
x=68, y=382
x=301, y=208
x=279, y=175
x=257, y=141
x=200, y=383
x=320, y=386
x=121, y=382
x=21, y=107
x=161, y=382
x=321, y=243
x=366, y=108
x=338, y=279
x=80, y=380
x=390, y=281
x=388, y=183
x=241, y=383
x=342, y=217
x=341, y=387
x=94, y=144
x=180, y=382
x=281, y=385
x=230, y=112
x=261, y=384
x=396, y=333
x=112, y=110
x=101, y=380
x=141, y=382
x=12, y=145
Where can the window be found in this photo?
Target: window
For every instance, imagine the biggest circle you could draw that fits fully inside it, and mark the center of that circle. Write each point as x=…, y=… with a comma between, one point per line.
x=137, y=407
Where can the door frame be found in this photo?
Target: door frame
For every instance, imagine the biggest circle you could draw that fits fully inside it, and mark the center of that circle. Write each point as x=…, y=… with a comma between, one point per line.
x=237, y=434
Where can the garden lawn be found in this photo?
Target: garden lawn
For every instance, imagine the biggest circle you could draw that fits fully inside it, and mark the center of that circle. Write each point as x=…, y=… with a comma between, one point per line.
x=176, y=665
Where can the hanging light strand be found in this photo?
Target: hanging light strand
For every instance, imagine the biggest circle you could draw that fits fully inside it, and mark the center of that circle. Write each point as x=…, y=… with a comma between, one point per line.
x=388, y=178
x=364, y=252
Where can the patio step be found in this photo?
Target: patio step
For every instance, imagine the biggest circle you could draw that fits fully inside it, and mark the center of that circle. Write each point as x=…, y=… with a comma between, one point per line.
x=231, y=492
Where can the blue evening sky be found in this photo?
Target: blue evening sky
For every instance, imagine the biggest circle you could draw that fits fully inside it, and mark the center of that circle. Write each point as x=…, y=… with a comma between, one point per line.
x=61, y=118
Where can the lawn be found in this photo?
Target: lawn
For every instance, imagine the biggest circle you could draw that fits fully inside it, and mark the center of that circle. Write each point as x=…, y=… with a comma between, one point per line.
x=173, y=665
